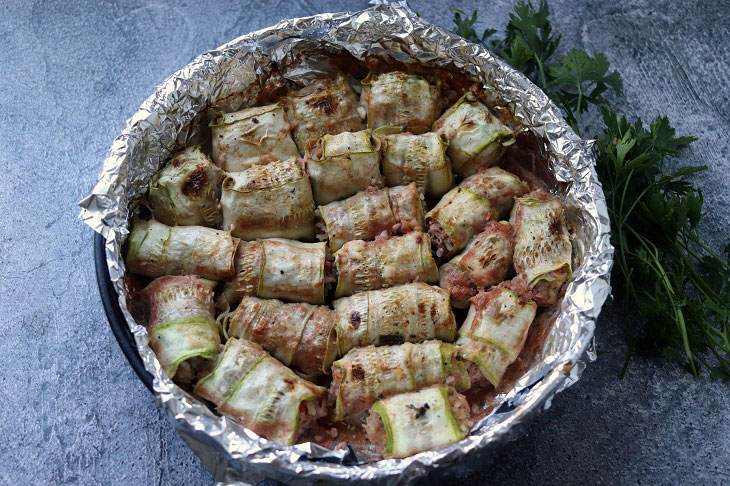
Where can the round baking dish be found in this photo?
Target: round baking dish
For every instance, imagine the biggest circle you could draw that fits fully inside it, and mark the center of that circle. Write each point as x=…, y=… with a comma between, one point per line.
x=234, y=454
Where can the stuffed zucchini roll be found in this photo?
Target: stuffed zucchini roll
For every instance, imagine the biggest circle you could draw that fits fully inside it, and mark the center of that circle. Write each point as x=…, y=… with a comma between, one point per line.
x=241, y=139
x=370, y=265
x=366, y=375
x=476, y=137
x=342, y=165
x=494, y=332
x=268, y=201
x=398, y=99
x=417, y=158
x=298, y=335
x=262, y=394
x=276, y=268
x=542, y=256
x=406, y=313
x=325, y=107
x=181, y=322
x=409, y=423
x=187, y=190
x=464, y=211
x=484, y=262
x=156, y=249
x=371, y=213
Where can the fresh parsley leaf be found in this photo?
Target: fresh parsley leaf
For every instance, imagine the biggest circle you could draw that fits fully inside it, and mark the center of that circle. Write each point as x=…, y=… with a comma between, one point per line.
x=465, y=27
x=580, y=79
x=529, y=41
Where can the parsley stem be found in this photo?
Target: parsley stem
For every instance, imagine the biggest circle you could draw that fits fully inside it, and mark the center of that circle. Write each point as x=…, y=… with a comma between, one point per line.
x=696, y=279
x=678, y=314
x=637, y=199
x=724, y=346
x=577, y=105
x=699, y=242
x=543, y=80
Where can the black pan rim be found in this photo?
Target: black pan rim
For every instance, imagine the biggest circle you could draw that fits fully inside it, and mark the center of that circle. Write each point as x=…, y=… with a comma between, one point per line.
x=117, y=322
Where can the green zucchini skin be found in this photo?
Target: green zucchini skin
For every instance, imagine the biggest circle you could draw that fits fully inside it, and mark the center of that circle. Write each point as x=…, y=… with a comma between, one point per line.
x=417, y=421
x=156, y=249
x=260, y=393
x=543, y=251
x=495, y=330
x=477, y=138
x=364, y=375
x=181, y=321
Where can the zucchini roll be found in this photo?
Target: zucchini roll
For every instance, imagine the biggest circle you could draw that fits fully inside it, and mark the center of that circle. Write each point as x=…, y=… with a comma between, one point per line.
x=342, y=165
x=464, y=210
x=269, y=201
x=494, y=332
x=407, y=313
x=484, y=262
x=366, y=375
x=181, y=321
x=299, y=335
x=476, y=137
x=325, y=107
x=409, y=423
x=241, y=139
x=371, y=213
x=543, y=251
x=187, y=190
x=417, y=158
x=370, y=265
x=156, y=249
x=277, y=269
x=398, y=99
x=262, y=394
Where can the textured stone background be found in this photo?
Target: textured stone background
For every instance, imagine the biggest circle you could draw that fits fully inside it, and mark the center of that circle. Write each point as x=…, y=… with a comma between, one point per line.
x=72, y=409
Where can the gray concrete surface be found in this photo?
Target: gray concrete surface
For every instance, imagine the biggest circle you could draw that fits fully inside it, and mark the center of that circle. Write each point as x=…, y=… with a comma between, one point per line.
x=72, y=409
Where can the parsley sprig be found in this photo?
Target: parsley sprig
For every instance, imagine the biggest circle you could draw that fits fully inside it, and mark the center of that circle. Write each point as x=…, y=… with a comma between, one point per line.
x=679, y=284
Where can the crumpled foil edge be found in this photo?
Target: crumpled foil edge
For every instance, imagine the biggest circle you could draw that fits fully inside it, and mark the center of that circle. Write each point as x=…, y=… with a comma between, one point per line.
x=234, y=454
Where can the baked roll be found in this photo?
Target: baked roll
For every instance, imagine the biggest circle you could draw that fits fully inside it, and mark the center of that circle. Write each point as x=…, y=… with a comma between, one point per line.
x=156, y=249
x=252, y=136
x=476, y=137
x=412, y=313
x=372, y=213
x=269, y=201
x=181, y=322
x=260, y=393
x=187, y=190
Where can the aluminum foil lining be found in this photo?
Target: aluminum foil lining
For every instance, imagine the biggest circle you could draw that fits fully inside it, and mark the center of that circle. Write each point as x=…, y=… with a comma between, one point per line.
x=234, y=454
